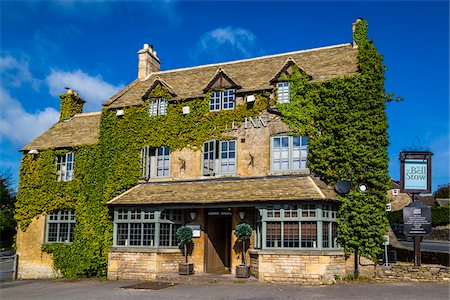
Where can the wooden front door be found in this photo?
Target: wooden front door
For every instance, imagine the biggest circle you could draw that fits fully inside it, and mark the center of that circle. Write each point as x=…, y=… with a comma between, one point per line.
x=218, y=243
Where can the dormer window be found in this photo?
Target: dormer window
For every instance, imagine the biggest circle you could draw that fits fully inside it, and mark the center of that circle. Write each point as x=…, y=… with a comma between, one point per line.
x=64, y=167
x=283, y=92
x=158, y=107
x=221, y=100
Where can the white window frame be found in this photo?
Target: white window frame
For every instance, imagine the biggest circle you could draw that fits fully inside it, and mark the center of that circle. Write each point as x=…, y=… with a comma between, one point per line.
x=222, y=100
x=57, y=220
x=290, y=158
x=65, y=167
x=155, y=162
x=213, y=160
x=283, y=92
x=158, y=107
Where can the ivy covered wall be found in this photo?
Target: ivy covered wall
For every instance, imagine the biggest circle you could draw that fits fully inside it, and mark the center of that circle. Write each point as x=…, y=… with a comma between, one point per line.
x=343, y=117
x=346, y=121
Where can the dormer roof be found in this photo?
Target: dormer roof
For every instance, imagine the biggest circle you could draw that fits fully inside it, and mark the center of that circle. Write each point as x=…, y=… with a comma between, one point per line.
x=251, y=75
x=156, y=82
x=221, y=80
x=286, y=69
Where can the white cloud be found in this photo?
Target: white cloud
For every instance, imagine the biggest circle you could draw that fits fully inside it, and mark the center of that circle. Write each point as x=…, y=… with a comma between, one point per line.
x=19, y=126
x=225, y=42
x=93, y=89
x=15, y=72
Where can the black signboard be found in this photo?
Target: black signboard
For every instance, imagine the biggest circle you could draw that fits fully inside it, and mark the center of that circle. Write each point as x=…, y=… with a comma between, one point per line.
x=417, y=219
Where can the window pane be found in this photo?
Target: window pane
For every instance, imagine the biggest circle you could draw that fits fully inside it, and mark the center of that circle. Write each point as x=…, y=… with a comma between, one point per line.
x=164, y=235
x=228, y=154
x=52, y=235
x=122, y=234
x=135, y=234
x=309, y=234
x=334, y=234
x=326, y=234
x=290, y=234
x=149, y=234
x=273, y=234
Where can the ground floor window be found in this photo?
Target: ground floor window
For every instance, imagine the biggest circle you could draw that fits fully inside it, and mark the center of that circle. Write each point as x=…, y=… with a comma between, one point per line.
x=60, y=226
x=147, y=227
x=305, y=226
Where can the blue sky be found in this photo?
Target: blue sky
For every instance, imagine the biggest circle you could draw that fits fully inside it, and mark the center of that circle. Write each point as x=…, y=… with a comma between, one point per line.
x=92, y=47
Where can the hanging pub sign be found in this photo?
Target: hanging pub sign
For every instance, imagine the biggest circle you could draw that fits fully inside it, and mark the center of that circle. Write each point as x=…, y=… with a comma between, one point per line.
x=415, y=171
x=416, y=219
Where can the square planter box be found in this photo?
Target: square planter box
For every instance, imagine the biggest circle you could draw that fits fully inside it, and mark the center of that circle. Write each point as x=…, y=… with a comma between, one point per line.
x=242, y=271
x=186, y=269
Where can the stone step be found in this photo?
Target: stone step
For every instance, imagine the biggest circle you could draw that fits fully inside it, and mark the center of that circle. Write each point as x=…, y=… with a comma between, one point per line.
x=203, y=278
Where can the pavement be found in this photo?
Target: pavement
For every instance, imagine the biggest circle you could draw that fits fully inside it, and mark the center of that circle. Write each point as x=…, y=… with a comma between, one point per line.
x=88, y=289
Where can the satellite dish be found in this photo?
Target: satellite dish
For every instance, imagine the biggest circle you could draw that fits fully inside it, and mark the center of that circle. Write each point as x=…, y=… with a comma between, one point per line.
x=343, y=186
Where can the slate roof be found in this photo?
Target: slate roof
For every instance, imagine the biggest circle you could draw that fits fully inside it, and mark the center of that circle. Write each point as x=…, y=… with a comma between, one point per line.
x=226, y=190
x=251, y=74
x=81, y=129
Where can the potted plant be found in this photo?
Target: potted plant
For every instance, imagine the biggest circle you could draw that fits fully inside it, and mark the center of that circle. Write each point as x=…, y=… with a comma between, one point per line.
x=184, y=235
x=243, y=232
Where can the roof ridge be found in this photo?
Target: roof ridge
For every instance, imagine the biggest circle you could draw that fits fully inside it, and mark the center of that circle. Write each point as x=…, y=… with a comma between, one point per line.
x=86, y=114
x=245, y=60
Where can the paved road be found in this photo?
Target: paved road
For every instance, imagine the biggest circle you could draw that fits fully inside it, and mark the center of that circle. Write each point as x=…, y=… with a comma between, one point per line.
x=440, y=246
x=111, y=290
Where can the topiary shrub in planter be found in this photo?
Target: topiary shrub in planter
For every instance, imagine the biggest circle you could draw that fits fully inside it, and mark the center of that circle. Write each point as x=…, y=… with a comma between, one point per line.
x=243, y=232
x=184, y=235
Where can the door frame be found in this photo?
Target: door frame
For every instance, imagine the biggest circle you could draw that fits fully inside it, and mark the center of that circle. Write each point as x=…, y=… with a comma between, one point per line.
x=228, y=245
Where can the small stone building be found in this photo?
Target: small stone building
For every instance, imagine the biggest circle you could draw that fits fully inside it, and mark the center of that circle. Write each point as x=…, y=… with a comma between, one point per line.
x=255, y=172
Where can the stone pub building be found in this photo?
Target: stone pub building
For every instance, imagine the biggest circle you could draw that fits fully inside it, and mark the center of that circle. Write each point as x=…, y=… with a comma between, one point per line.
x=205, y=146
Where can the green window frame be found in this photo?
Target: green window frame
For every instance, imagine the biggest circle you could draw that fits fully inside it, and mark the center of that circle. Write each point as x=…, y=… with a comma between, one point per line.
x=60, y=226
x=146, y=227
x=308, y=226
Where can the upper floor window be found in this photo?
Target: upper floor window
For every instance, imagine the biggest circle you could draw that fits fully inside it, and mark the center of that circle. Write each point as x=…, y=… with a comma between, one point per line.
x=60, y=227
x=64, y=167
x=155, y=162
x=221, y=100
x=158, y=107
x=283, y=92
x=219, y=157
x=289, y=153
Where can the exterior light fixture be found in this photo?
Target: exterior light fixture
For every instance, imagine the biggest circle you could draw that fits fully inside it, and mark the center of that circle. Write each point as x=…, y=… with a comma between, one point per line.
x=242, y=215
x=193, y=215
x=363, y=188
x=33, y=151
x=120, y=113
x=186, y=110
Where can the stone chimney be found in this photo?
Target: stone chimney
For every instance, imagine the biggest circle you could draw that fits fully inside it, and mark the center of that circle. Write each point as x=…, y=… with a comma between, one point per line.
x=148, y=61
x=70, y=104
x=355, y=45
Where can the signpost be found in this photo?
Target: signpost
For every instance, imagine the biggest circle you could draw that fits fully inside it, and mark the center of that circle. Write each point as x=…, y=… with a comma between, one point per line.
x=415, y=178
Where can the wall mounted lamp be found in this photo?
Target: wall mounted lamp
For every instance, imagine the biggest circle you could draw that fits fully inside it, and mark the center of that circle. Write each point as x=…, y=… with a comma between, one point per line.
x=242, y=215
x=193, y=215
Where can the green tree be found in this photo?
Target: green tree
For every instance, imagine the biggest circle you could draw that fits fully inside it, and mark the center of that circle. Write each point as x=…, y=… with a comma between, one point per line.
x=7, y=200
x=443, y=191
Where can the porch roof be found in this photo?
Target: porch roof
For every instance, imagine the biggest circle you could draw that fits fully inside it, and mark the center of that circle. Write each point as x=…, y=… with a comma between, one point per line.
x=225, y=190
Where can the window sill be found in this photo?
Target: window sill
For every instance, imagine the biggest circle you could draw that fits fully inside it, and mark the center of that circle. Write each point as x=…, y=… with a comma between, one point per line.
x=137, y=249
x=296, y=172
x=305, y=252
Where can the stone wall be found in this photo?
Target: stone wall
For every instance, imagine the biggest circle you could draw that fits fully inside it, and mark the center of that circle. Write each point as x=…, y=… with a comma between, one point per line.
x=254, y=265
x=440, y=233
x=408, y=272
x=298, y=267
x=141, y=263
x=32, y=262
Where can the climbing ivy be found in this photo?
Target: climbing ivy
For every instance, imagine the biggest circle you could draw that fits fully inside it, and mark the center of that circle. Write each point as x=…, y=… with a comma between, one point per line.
x=71, y=104
x=109, y=168
x=347, y=127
